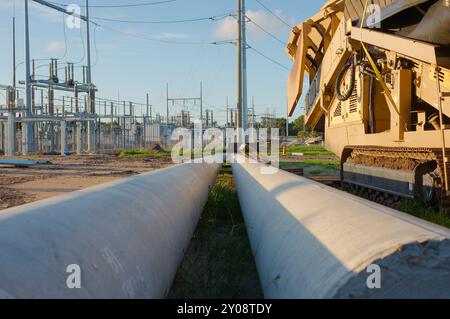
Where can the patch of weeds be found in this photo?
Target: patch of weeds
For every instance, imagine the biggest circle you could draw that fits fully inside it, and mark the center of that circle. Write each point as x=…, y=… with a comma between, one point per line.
x=317, y=172
x=314, y=167
x=218, y=262
x=424, y=211
x=417, y=208
x=322, y=162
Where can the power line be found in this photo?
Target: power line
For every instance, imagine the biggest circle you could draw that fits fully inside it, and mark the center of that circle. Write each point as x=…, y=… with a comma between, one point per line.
x=273, y=13
x=214, y=18
x=211, y=18
x=256, y=51
x=143, y=4
x=65, y=46
x=95, y=45
x=84, y=48
x=151, y=39
x=268, y=58
x=65, y=38
x=266, y=32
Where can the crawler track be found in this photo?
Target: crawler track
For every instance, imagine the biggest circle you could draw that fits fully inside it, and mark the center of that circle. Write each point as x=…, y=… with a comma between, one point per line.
x=418, y=161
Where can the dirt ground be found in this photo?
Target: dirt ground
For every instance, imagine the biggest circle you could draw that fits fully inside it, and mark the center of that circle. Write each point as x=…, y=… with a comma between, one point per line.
x=405, y=164
x=59, y=175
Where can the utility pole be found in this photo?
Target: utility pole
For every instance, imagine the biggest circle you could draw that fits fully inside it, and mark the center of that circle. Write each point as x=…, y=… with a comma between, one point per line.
x=239, y=73
x=27, y=138
x=242, y=116
x=88, y=45
x=10, y=127
x=14, y=55
x=91, y=93
x=244, y=70
x=27, y=62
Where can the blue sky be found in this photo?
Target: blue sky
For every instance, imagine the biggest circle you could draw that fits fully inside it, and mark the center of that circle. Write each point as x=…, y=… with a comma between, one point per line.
x=123, y=61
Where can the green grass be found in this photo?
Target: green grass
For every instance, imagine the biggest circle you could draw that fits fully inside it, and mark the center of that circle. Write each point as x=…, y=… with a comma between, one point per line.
x=322, y=162
x=165, y=153
x=421, y=210
x=226, y=167
x=142, y=153
x=218, y=262
x=309, y=150
x=314, y=167
x=417, y=208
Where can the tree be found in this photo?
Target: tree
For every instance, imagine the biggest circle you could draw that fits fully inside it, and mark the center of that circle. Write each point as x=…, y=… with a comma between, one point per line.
x=299, y=123
x=301, y=135
x=292, y=129
x=279, y=123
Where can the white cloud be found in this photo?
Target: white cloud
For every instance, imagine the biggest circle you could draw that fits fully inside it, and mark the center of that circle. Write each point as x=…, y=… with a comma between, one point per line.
x=227, y=28
x=55, y=47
